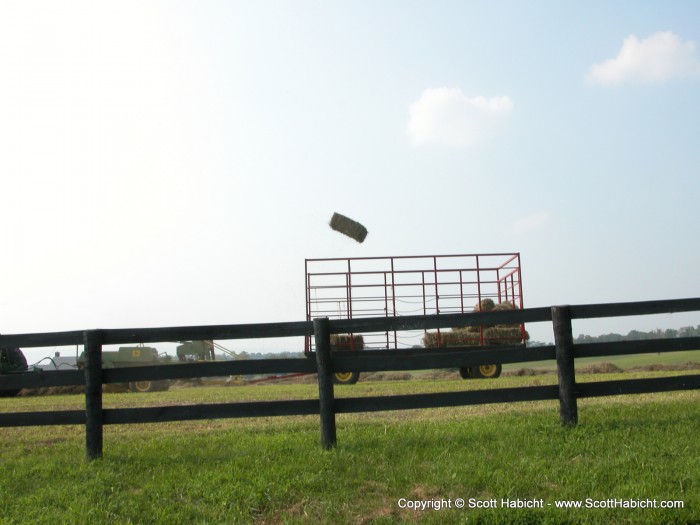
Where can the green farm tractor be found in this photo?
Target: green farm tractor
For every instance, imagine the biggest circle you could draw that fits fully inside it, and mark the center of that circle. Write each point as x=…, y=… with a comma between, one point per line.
x=128, y=356
x=196, y=351
x=13, y=361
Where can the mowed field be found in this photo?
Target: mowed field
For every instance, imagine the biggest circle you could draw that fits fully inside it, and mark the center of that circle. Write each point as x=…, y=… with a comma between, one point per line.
x=501, y=463
x=624, y=362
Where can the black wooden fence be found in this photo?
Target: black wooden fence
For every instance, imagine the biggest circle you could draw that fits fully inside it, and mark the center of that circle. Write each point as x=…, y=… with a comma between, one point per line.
x=325, y=363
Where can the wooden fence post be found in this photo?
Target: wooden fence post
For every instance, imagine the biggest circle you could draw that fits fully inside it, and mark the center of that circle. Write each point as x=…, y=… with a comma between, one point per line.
x=93, y=394
x=325, y=382
x=564, y=344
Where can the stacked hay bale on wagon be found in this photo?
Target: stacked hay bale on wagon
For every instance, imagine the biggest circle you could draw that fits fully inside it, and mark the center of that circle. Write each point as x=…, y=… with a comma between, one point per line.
x=346, y=342
x=500, y=334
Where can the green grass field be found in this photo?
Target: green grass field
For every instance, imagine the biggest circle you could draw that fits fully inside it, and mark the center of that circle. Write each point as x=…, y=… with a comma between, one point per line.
x=273, y=470
x=625, y=362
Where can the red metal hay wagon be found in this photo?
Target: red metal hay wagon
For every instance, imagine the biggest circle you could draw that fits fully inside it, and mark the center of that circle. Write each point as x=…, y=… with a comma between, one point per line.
x=350, y=288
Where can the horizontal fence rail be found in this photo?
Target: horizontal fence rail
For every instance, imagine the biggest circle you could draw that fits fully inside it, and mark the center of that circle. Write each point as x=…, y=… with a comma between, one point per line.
x=116, y=336
x=305, y=328
x=325, y=363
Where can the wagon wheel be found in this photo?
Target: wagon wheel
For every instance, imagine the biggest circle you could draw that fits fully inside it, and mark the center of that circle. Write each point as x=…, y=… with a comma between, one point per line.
x=149, y=386
x=486, y=371
x=465, y=373
x=142, y=386
x=346, y=378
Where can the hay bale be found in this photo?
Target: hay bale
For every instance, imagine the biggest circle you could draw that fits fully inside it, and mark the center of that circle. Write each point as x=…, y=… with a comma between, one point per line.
x=502, y=307
x=347, y=342
x=485, y=305
x=505, y=305
x=493, y=335
x=430, y=340
x=451, y=338
x=346, y=226
x=504, y=335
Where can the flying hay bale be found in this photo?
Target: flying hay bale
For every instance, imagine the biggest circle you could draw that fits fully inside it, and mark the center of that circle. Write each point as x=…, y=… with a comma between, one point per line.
x=346, y=226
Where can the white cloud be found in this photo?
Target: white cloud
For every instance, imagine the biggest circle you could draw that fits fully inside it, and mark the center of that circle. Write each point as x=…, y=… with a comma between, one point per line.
x=658, y=58
x=447, y=116
x=531, y=222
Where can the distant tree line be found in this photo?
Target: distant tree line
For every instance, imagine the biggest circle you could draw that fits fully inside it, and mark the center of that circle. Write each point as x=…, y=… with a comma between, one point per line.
x=633, y=335
x=636, y=335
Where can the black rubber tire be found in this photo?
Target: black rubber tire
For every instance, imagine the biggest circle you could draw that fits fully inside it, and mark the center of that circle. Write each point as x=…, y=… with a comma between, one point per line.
x=148, y=386
x=486, y=371
x=346, y=378
x=465, y=373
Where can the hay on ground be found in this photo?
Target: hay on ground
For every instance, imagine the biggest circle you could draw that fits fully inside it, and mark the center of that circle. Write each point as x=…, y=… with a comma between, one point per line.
x=528, y=372
x=388, y=376
x=601, y=368
x=346, y=226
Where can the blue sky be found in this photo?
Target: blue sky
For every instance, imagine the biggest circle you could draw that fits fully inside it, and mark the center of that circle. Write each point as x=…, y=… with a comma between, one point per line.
x=174, y=163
